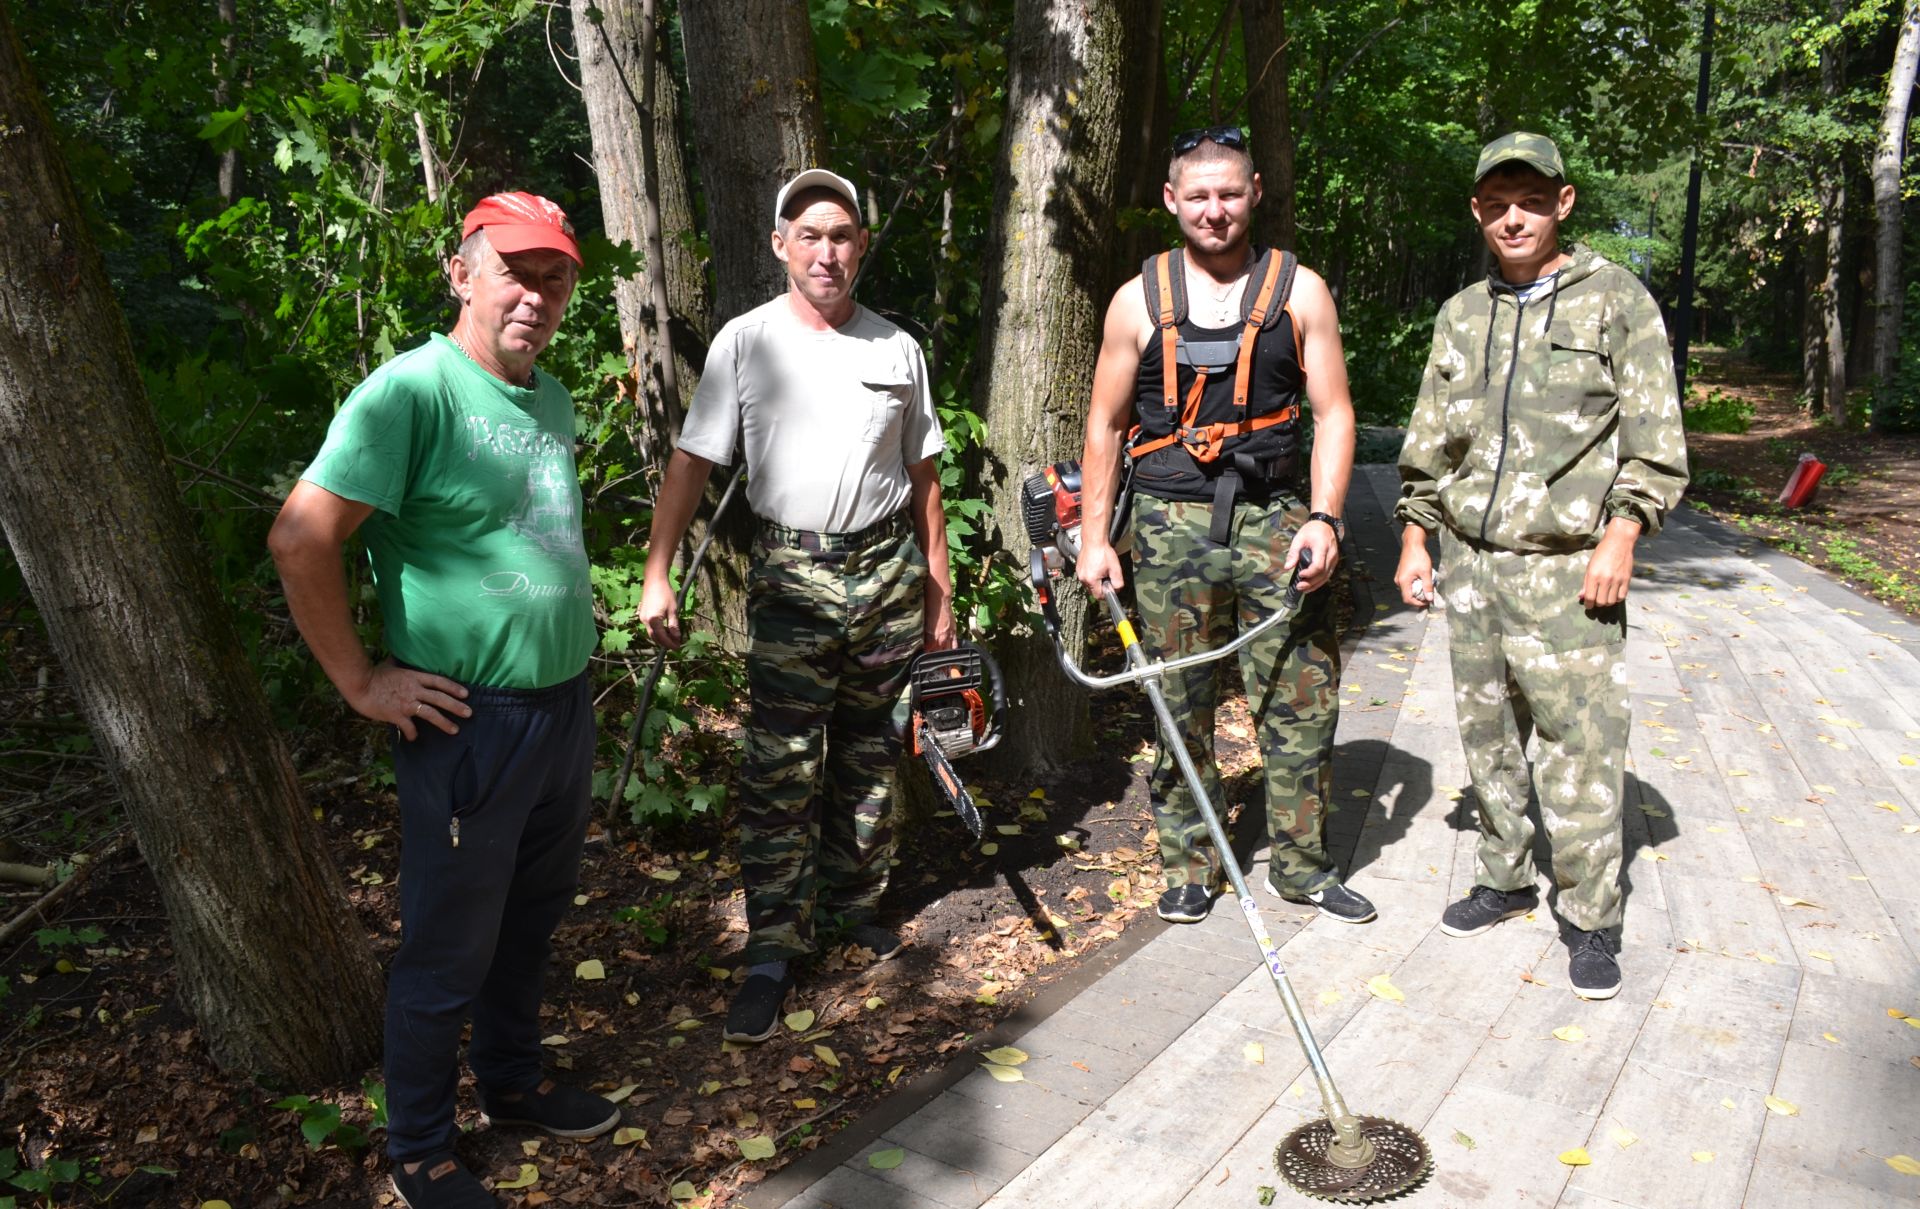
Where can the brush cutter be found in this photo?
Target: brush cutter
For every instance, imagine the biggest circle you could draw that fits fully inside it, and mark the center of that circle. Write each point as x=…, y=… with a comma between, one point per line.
x=1342, y=1157
x=958, y=701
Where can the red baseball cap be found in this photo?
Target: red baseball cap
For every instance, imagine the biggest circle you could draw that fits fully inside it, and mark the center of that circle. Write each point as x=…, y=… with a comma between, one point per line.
x=523, y=222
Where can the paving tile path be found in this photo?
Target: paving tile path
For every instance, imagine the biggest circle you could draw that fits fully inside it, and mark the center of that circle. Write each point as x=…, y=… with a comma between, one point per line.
x=1772, y=927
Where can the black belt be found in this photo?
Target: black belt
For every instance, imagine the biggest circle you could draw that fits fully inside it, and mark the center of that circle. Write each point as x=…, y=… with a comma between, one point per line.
x=815, y=542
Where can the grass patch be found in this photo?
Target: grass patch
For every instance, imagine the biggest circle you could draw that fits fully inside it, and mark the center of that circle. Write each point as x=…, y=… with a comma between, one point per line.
x=1718, y=412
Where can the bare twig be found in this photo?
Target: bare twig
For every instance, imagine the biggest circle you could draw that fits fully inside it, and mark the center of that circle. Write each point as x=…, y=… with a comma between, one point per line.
x=38, y=911
x=266, y=498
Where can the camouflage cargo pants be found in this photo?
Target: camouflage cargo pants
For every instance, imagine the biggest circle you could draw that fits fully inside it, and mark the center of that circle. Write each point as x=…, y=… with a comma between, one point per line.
x=1194, y=595
x=1529, y=659
x=833, y=622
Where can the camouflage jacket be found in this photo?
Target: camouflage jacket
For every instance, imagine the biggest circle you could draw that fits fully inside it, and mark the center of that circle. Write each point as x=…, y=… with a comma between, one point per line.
x=1539, y=421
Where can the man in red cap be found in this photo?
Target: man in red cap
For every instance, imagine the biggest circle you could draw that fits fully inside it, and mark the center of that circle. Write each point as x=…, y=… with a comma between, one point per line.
x=454, y=462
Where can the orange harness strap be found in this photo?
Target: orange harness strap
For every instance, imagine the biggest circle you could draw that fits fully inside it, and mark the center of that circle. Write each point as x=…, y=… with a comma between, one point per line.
x=1205, y=442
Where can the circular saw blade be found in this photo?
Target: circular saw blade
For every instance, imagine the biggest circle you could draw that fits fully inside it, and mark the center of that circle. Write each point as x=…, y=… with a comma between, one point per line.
x=1400, y=1161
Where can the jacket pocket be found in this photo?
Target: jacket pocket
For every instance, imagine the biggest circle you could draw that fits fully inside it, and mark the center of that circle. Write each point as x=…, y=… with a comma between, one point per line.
x=1580, y=374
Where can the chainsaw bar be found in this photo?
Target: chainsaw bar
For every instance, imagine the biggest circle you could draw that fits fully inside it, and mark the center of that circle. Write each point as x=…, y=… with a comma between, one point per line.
x=947, y=782
x=1397, y=1160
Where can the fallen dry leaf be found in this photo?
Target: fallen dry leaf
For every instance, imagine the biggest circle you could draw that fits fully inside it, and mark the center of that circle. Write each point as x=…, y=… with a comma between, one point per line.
x=1463, y=1140
x=760, y=1146
x=1703, y=1156
x=1006, y=1055
x=1382, y=987
x=528, y=1177
x=801, y=1020
x=1788, y=900
x=1904, y=1165
x=590, y=970
x=1570, y=1032
x=1004, y=1074
x=1623, y=1138
x=887, y=1160
x=1255, y=1052
x=627, y=1135
x=1577, y=1157
x=1785, y=1108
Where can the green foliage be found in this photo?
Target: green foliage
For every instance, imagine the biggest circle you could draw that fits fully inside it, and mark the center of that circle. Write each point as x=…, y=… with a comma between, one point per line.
x=1718, y=480
x=1718, y=412
x=321, y=1126
x=62, y=938
x=1386, y=352
x=649, y=919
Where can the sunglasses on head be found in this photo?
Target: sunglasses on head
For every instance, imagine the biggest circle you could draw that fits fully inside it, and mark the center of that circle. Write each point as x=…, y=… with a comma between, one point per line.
x=1226, y=136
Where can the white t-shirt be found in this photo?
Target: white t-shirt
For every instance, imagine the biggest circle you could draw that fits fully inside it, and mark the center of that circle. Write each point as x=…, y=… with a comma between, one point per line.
x=830, y=420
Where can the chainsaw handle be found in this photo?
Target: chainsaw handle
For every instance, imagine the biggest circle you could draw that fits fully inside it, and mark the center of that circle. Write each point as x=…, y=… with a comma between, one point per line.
x=992, y=738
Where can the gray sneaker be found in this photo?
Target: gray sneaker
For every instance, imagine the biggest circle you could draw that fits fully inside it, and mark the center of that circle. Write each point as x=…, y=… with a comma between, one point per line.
x=1484, y=907
x=1591, y=967
x=1188, y=904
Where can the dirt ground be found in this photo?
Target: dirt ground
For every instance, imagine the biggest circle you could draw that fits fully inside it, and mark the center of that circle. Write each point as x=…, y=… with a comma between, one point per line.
x=110, y=1097
x=1864, y=523
x=103, y=1070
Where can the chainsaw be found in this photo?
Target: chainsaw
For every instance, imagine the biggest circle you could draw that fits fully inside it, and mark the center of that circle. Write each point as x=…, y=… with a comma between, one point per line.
x=958, y=701
x=1342, y=1157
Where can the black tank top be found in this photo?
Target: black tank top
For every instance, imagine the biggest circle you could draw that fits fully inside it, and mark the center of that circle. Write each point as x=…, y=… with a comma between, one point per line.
x=1276, y=381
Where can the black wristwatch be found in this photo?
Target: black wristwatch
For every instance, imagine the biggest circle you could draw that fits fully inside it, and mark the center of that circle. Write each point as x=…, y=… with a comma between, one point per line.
x=1332, y=522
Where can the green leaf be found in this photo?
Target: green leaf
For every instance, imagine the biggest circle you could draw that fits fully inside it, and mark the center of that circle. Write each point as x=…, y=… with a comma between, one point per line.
x=758, y=1147
x=887, y=1160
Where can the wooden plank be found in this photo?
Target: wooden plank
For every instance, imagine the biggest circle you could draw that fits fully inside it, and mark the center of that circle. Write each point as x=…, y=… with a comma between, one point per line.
x=1853, y=1013
x=1774, y=1186
x=1853, y=1112
x=1498, y=1150
x=1522, y=1057
x=1090, y=1167
x=1720, y=1019
x=1672, y=1114
x=928, y=1180
x=1397, y=1060
x=1473, y=979
x=1733, y=918
x=1327, y=971
x=845, y=1188
x=1210, y=1067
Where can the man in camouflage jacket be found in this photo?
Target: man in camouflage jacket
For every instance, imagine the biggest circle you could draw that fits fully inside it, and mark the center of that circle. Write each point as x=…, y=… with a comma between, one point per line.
x=1546, y=440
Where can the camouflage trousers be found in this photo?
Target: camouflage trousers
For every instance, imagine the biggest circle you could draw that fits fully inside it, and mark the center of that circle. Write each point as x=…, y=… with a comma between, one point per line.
x=1529, y=660
x=1194, y=595
x=833, y=621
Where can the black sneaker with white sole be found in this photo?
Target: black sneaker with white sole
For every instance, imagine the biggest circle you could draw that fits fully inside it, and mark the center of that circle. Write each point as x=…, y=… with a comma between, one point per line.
x=1591, y=967
x=1188, y=904
x=755, y=1011
x=1484, y=907
x=1336, y=902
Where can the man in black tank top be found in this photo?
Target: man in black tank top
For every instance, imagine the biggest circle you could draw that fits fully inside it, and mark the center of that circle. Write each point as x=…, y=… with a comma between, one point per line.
x=1204, y=362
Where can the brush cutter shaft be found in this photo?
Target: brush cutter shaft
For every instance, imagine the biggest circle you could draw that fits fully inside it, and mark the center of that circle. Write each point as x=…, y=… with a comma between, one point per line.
x=1148, y=676
x=1141, y=670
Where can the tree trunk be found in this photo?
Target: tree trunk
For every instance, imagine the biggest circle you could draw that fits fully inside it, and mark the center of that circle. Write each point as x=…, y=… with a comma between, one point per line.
x=1048, y=277
x=229, y=173
x=607, y=36
x=1888, y=288
x=1833, y=206
x=1147, y=137
x=271, y=961
x=754, y=89
x=1263, y=29
x=1813, y=338
x=755, y=92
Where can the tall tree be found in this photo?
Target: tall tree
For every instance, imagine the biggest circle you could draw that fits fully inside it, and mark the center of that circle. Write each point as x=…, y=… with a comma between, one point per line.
x=1833, y=212
x=1888, y=288
x=1049, y=273
x=1263, y=31
x=633, y=107
x=755, y=92
x=270, y=960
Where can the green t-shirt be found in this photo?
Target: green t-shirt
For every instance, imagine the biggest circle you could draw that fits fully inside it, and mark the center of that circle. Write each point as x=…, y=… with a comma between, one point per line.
x=475, y=536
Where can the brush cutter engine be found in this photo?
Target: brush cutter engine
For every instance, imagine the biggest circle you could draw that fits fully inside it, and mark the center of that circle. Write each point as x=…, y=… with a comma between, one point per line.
x=958, y=701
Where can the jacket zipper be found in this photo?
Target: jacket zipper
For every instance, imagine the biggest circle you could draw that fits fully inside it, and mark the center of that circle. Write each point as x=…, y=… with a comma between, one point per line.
x=1506, y=397
x=453, y=830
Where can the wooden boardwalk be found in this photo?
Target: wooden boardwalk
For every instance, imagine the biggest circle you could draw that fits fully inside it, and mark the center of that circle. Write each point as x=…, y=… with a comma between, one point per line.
x=1772, y=926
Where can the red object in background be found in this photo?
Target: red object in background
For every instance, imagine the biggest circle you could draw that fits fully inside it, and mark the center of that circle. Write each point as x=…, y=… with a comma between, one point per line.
x=1803, y=482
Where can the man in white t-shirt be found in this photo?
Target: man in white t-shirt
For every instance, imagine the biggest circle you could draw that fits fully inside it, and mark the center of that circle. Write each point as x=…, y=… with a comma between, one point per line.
x=848, y=582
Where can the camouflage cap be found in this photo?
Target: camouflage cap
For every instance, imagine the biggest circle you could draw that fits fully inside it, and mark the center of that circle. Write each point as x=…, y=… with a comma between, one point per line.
x=1534, y=150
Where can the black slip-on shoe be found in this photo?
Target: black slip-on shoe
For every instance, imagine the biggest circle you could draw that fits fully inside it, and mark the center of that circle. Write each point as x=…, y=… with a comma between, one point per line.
x=1484, y=907
x=883, y=944
x=440, y=1182
x=555, y=1108
x=755, y=1012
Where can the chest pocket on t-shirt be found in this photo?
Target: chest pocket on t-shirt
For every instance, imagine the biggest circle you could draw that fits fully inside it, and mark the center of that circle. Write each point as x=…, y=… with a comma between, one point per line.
x=887, y=394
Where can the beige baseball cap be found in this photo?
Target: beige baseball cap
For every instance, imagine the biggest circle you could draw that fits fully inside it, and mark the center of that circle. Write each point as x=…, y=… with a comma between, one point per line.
x=817, y=178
